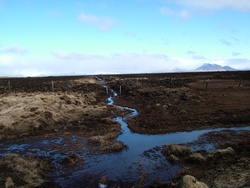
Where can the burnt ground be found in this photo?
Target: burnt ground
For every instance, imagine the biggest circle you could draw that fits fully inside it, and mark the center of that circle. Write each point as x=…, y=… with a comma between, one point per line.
x=184, y=101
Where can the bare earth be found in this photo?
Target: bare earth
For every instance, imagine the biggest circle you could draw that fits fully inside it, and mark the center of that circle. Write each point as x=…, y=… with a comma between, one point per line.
x=174, y=102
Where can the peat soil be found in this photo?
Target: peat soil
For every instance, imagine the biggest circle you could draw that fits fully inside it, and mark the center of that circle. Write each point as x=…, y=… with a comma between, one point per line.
x=54, y=105
x=47, y=107
x=193, y=101
x=184, y=101
x=167, y=102
x=218, y=169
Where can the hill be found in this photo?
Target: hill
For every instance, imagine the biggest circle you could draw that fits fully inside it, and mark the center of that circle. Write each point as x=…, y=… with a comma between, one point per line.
x=214, y=67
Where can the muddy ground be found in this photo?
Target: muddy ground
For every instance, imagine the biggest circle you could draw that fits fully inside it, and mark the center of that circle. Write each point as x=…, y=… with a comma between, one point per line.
x=185, y=101
x=165, y=102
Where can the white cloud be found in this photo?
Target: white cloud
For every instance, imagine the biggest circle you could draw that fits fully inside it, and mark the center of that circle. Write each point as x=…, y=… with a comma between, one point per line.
x=239, y=63
x=189, y=8
x=68, y=63
x=217, y=4
x=184, y=14
x=198, y=57
x=68, y=55
x=102, y=23
x=75, y=56
x=116, y=63
x=226, y=42
x=6, y=60
x=230, y=42
x=190, y=52
x=14, y=49
x=236, y=53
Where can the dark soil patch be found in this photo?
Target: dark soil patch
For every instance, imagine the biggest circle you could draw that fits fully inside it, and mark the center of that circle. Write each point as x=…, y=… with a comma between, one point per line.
x=178, y=102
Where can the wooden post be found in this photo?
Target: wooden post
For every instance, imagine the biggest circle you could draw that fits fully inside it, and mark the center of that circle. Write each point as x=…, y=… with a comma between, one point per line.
x=120, y=89
x=107, y=90
x=207, y=83
x=52, y=85
x=9, y=85
x=239, y=84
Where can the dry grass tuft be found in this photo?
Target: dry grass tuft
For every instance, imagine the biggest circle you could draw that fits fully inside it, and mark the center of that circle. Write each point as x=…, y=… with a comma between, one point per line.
x=106, y=144
x=16, y=170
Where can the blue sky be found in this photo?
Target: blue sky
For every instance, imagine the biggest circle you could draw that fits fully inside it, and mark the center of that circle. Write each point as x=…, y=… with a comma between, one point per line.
x=62, y=37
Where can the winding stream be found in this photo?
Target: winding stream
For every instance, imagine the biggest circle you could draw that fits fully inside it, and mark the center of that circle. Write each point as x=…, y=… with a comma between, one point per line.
x=143, y=154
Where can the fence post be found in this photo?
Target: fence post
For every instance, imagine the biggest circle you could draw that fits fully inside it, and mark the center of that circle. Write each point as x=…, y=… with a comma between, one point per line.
x=107, y=90
x=239, y=84
x=120, y=89
x=52, y=85
x=9, y=85
x=207, y=83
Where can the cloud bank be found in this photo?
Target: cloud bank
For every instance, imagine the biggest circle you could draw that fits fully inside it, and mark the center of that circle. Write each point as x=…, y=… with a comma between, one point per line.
x=74, y=63
x=186, y=9
x=216, y=4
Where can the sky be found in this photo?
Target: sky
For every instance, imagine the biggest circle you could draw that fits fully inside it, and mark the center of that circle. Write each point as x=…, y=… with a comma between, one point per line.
x=67, y=37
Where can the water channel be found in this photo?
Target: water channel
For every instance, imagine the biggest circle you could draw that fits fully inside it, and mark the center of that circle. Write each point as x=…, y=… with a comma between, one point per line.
x=142, y=155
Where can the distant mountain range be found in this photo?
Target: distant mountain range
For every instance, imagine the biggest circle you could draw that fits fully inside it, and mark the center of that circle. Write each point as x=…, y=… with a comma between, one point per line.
x=214, y=67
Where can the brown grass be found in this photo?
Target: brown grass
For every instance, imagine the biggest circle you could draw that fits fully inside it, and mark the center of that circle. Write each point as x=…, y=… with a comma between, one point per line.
x=20, y=171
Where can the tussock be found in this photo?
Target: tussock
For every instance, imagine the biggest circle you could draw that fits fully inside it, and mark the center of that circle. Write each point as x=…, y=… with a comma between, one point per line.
x=23, y=171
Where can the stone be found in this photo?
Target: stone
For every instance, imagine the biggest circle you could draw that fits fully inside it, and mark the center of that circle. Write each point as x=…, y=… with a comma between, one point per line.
x=188, y=181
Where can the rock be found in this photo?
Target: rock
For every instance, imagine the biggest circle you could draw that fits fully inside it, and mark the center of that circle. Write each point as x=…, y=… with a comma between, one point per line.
x=195, y=158
x=188, y=181
x=177, y=150
x=9, y=183
x=224, y=153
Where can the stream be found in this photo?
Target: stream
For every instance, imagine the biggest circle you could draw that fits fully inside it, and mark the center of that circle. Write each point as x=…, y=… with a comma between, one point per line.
x=143, y=154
